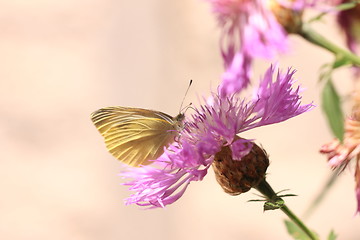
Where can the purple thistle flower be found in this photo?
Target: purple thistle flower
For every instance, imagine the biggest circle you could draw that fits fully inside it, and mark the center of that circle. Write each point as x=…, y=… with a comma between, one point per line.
x=213, y=126
x=248, y=25
x=250, y=29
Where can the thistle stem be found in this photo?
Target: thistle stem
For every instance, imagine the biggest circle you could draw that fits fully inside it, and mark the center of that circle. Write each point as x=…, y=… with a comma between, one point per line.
x=317, y=39
x=322, y=193
x=269, y=193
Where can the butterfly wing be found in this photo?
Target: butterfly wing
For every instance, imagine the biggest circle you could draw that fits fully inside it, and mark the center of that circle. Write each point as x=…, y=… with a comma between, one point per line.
x=134, y=135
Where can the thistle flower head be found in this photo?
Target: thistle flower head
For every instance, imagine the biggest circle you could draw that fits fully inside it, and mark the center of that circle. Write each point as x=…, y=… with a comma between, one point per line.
x=236, y=177
x=288, y=13
x=213, y=127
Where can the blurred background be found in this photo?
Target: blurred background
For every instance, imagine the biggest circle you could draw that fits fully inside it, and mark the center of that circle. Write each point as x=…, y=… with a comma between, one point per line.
x=62, y=60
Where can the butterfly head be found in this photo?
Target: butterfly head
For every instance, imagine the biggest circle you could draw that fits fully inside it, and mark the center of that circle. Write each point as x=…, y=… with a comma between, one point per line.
x=178, y=120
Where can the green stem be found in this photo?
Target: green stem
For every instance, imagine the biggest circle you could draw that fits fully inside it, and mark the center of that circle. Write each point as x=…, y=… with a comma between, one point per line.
x=269, y=193
x=322, y=193
x=298, y=222
x=317, y=39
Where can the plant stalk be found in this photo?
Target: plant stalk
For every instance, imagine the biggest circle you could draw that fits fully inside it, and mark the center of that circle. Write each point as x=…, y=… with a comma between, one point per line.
x=312, y=36
x=270, y=194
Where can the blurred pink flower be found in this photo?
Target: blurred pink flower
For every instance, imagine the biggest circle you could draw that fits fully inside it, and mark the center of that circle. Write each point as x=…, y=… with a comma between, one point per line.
x=340, y=154
x=213, y=126
x=250, y=27
x=249, y=30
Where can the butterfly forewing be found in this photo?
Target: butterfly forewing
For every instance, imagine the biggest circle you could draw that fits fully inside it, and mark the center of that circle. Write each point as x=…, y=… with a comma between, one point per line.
x=133, y=135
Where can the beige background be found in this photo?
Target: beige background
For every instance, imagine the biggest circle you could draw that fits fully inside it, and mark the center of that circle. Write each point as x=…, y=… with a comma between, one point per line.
x=61, y=60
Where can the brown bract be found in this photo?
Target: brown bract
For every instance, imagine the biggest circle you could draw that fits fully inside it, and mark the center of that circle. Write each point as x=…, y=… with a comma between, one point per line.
x=289, y=19
x=239, y=176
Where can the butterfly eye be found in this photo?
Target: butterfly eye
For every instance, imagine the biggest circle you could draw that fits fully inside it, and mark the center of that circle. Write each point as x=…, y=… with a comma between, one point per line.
x=180, y=117
x=178, y=121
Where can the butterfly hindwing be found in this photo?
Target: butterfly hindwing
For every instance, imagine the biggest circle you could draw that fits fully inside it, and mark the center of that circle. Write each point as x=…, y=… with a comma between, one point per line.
x=133, y=135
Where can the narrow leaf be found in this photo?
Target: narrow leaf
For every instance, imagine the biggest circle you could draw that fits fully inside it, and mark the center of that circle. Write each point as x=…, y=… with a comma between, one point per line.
x=332, y=235
x=256, y=200
x=288, y=195
x=295, y=231
x=331, y=106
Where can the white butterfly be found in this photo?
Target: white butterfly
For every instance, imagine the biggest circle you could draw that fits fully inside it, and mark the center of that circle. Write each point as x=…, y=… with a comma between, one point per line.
x=134, y=135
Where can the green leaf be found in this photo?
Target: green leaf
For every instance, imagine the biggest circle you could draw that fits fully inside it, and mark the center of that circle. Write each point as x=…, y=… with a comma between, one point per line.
x=324, y=190
x=288, y=195
x=256, y=200
x=332, y=235
x=295, y=231
x=332, y=108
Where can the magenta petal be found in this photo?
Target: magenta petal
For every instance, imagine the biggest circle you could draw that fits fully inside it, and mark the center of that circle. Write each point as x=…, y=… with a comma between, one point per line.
x=237, y=75
x=277, y=100
x=158, y=187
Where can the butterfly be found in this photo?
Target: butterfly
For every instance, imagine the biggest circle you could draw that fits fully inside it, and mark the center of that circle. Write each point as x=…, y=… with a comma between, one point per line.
x=136, y=136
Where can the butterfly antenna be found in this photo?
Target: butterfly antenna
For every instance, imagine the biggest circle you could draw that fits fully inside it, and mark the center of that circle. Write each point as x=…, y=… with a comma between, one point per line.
x=184, y=109
x=182, y=102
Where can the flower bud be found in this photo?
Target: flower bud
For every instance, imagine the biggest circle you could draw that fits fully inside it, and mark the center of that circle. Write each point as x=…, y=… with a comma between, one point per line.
x=290, y=19
x=239, y=176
